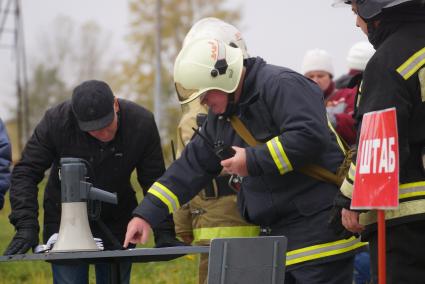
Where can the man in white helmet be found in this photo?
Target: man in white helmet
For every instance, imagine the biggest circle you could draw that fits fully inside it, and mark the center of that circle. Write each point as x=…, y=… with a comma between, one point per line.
x=283, y=113
x=213, y=213
x=357, y=58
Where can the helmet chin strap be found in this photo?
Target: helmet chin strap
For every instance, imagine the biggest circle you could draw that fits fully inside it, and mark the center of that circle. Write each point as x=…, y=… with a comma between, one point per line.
x=231, y=105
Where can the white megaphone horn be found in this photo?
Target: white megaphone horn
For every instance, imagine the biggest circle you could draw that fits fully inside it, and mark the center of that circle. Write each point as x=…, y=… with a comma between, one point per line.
x=74, y=232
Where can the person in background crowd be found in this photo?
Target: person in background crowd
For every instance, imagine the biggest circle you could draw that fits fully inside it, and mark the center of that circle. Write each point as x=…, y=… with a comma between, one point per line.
x=5, y=162
x=317, y=65
x=357, y=58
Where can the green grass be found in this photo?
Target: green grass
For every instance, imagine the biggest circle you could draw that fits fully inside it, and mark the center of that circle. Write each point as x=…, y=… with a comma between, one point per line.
x=179, y=271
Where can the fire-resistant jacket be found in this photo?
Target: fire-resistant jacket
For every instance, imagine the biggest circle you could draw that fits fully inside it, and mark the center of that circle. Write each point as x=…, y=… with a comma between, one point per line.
x=5, y=161
x=286, y=112
x=395, y=77
x=135, y=146
x=213, y=213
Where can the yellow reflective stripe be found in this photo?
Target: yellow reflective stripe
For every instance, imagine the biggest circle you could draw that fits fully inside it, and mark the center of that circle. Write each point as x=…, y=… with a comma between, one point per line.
x=407, y=208
x=166, y=196
x=338, y=139
x=421, y=75
x=412, y=64
x=359, y=95
x=323, y=250
x=412, y=189
x=347, y=188
x=279, y=155
x=352, y=171
x=225, y=232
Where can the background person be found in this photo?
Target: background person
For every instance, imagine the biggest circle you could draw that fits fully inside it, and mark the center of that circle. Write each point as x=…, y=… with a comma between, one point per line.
x=357, y=58
x=317, y=65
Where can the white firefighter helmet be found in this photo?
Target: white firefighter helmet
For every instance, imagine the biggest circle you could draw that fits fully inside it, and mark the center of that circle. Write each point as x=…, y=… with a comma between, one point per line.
x=206, y=64
x=217, y=29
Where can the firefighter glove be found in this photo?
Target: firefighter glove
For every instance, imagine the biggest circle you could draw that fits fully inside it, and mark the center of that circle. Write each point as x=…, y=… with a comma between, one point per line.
x=166, y=238
x=24, y=239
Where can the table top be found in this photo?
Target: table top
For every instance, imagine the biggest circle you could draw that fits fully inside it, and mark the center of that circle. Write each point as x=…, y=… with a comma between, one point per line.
x=133, y=255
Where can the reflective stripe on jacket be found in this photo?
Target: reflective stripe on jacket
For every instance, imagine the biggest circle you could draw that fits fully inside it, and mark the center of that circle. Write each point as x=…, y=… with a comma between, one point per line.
x=323, y=250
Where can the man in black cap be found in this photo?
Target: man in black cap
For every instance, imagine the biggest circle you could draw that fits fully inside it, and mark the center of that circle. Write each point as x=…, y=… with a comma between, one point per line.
x=116, y=137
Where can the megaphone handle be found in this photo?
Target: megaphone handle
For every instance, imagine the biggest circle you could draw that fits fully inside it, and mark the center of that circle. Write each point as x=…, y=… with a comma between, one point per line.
x=93, y=209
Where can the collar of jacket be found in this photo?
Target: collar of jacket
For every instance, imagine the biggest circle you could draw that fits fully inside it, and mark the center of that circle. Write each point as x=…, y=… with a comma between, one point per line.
x=392, y=20
x=249, y=93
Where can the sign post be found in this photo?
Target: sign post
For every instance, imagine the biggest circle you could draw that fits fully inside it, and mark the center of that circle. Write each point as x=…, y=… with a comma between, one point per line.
x=377, y=172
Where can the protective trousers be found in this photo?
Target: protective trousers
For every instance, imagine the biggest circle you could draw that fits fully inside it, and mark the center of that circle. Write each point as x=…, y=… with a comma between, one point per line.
x=206, y=219
x=405, y=252
x=336, y=269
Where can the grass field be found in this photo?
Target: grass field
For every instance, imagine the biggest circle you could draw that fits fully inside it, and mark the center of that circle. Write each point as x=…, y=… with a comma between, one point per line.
x=178, y=271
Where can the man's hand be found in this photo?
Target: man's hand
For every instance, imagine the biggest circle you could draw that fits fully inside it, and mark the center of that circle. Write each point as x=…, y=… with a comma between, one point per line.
x=137, y=231
x=24, y=239
x=236, y=164
x=350, y=220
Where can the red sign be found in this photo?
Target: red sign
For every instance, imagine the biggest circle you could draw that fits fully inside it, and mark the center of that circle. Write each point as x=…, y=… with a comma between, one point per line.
x=377, y=169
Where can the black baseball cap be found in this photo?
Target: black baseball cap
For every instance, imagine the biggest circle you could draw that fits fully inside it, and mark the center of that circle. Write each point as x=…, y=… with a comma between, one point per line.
x=93, y=105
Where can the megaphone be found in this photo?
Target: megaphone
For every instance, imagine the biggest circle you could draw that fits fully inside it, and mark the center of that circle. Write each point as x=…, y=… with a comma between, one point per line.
x=74, y=231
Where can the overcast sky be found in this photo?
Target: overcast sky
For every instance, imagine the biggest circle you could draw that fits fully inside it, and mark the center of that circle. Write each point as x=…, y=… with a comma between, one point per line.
x=280, y=31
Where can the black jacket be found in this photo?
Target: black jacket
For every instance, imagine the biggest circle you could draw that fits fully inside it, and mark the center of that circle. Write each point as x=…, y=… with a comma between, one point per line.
x=135, y=146
x=286, y=112
x=392, y=79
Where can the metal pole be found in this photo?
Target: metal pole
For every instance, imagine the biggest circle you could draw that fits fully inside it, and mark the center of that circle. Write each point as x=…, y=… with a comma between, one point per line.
x=23, y=75
x=3, y=20
x=157, y=97
x=18, y=84
x=382, y=262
